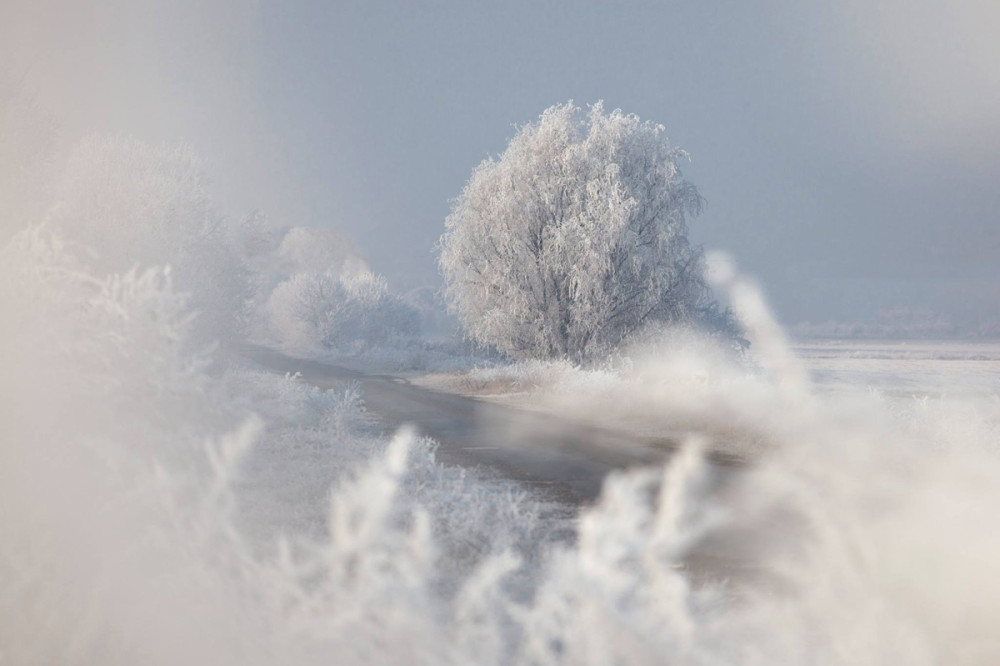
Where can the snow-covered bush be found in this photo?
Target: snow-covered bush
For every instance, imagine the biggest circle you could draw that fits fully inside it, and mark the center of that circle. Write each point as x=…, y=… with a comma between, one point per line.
x=145, y=499
x=315, y=311
x=313, y=293
x=132, y=204
x=574, y=237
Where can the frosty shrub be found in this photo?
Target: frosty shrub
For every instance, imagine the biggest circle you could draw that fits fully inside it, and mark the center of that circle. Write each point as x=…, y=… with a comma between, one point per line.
x=311, y=311
x=313, y=292
x=124, y=538
x=574, y=237
x=135, y=204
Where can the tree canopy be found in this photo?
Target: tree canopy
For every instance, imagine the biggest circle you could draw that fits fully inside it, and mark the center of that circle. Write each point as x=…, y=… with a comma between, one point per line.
x=574, y=237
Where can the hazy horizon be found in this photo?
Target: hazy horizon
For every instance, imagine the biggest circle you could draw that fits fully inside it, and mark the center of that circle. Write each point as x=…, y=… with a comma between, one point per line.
x=847, y=154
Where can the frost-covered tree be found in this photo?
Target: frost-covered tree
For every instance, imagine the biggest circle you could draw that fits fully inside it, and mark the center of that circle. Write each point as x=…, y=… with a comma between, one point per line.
x=574, y=237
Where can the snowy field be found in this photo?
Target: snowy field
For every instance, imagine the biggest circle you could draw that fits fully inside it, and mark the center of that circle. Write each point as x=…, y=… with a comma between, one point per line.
x=904, y=368
x=896, y=368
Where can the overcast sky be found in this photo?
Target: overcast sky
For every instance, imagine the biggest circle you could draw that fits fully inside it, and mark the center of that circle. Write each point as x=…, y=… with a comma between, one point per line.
x=849, y=151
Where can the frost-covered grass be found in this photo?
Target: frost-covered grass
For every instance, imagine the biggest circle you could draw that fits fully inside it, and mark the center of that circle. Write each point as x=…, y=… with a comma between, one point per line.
x=682, y=382
x=312, y=438
x=677, y=383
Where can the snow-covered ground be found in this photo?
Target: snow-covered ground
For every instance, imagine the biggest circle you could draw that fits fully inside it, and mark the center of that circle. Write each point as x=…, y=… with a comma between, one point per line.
x=904, y=368
x=679, y=388
x=899, y=368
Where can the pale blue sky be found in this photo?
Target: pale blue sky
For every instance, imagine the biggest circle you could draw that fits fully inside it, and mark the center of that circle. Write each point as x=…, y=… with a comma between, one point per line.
x=849, y=152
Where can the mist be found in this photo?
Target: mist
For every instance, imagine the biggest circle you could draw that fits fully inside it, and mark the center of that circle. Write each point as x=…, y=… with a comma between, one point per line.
x=242, y=420
x=847, y=155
